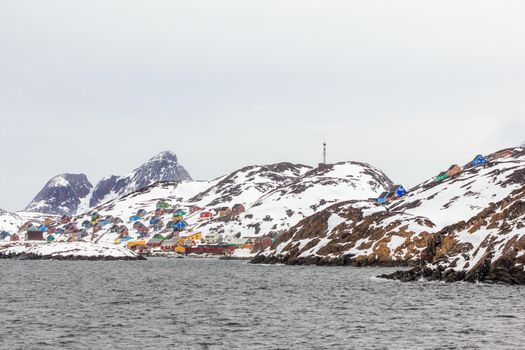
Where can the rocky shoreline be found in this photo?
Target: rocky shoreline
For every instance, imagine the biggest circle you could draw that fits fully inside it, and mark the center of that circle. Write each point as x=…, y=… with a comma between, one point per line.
x=33, y=256
x=28, y=250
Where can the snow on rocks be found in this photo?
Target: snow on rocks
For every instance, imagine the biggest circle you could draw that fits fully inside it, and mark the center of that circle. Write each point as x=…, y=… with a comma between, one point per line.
x=65, y=251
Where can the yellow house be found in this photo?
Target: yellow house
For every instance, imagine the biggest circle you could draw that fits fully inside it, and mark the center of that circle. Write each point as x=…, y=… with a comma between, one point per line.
x=196, y=236
x=136, y=243
x=118, y=241
x=180, y=249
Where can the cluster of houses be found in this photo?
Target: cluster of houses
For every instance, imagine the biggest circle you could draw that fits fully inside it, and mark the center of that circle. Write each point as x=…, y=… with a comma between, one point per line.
x=163, y=230
x=479, y=160
x=397, y=191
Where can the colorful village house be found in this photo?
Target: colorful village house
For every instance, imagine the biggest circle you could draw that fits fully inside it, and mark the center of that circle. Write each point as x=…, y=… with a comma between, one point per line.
x=49, y=222
x=142, y=212
x=35, y=235
x=180, y=225
x=163, y=204
x=206, y=215
x=4, y=235
x=224, y=211
x=442, y=176
x=398, y=191
x=382, y=197
x=136, y=245
x=134, y=218
x=238, y=209
x=123, y=231
x=505, y=153
x=212, y=237
x=179, y=212
x=195, y=208
x=65, y=219
x=454, y=170
x=50, y=238
x=14, y=237
x=160, y=212
x=168, y=245
x=478, y=161
x=87, y=224
x=155, y=241
x=43, y=228
x=180, y=249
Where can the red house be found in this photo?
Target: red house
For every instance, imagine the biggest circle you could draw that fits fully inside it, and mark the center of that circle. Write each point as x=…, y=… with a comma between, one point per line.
x=206, y=215
x=14, y=237
x=238, y=208
x=35, y=235
x=195, y=208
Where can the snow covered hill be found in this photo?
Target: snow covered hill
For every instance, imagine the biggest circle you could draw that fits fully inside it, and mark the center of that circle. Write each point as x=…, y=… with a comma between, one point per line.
x=405, y=231
x=73, y=193
x=273, y=197
x=162, y=167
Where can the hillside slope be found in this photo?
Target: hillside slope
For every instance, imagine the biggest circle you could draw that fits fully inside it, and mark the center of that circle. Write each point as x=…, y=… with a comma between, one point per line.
x=404, y=232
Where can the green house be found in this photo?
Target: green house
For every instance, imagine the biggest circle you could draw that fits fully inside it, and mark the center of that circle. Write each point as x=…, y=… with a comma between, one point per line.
x=442, y=176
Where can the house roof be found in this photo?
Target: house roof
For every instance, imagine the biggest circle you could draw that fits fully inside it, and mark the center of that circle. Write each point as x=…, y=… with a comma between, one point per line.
x=453, y=166
x=383, y=195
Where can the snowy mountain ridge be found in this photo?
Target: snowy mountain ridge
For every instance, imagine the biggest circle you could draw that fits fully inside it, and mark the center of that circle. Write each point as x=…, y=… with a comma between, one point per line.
x=73, y=193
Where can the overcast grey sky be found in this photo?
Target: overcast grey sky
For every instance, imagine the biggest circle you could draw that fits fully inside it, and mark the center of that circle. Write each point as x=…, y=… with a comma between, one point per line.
x=100, y=86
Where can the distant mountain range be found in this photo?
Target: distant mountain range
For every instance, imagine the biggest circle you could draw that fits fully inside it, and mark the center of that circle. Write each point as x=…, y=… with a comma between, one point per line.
x=73, y=193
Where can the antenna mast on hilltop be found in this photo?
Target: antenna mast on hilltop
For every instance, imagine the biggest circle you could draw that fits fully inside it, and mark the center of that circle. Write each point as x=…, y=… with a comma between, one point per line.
x=324, y=152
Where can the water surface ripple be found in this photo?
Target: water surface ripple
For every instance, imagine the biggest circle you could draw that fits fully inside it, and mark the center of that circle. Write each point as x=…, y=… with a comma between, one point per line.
x=214, y=304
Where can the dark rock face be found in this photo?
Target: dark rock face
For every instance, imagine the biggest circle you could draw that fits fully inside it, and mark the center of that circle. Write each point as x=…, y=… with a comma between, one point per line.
x=163, y=167
x=64, y=193
x=61, y=195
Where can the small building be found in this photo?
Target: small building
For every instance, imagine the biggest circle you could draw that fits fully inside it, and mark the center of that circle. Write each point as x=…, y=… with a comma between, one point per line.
x=141, y=213
x=398, y=191
x=195, y=208
x=49, y=222
x=43, y=228
x=179, y=212
x=169, y=245
x=35, y=235
x=206, y=215
x=134, y=218
x=4, y=235
x=86, y=224
x=123, y=231
x=162, y=204
x=97, y=227
x=454, y=170
x=382, y=197
x=478, y=161
x=224, y=211
x=14, y=237
x=154, y=220
x=504, y=153
x=238, y=209
x=136, y=245
x=155, y=241
x=65, y=219
x=212, y=237
x=180, y=225
x=160, y=212
x=442, y=176
x=50, y=238
x=180, y=249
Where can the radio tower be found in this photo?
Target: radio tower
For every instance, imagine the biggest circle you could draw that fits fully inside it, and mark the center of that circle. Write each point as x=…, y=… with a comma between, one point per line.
x=324, y=152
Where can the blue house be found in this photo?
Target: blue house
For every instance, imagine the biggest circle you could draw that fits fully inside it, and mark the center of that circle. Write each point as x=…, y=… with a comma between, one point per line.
x=399, y=191
x=181, y=225
x=43, y=228
x=382, y=197
x=155, y=220
x=479, y=160
x=4, y=235
x=134, y=218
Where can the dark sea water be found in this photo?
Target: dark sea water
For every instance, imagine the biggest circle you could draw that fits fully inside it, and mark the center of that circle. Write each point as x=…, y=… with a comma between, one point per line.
x=215, y=304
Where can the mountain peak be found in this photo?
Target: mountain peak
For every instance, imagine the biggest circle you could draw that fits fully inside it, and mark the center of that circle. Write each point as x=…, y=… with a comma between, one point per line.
x=62, y=194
